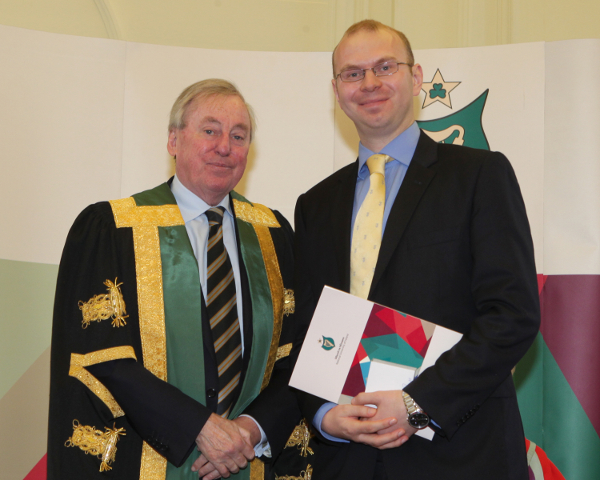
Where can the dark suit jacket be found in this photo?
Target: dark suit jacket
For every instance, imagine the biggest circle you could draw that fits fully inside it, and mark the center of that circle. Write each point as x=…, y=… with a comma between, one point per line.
x=456, y=251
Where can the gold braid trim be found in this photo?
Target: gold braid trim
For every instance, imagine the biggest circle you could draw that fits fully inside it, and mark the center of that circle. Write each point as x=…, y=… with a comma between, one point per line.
x=261, y=218
x=96, y=442
x=276, y=285
x=255, y=214
x=144, y=221
x=257, y=469
x=77, y=370
x=283, y=351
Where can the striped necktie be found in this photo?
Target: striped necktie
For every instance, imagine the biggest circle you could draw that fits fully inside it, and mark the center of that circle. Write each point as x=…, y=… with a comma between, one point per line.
x=221, y=305
x=366, y=237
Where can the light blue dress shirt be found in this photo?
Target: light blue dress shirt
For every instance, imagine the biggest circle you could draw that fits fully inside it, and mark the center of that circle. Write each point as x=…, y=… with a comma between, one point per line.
x=192, y=210
x=401, y=149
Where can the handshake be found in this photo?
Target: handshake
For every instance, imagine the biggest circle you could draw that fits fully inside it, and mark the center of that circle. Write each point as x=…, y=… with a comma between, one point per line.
x=226, y=446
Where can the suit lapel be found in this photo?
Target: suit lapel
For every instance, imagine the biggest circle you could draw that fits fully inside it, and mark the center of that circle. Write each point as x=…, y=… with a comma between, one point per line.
x=417, y=179
x=342, y=224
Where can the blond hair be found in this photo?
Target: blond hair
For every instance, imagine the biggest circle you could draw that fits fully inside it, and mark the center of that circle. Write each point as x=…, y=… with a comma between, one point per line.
x=203, y=90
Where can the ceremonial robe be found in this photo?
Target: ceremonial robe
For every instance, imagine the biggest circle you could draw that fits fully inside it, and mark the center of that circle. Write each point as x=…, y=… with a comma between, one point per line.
x=133, y=375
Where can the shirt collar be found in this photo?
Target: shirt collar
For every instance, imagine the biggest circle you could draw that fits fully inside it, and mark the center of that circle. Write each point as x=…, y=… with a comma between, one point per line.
x=190, y=205
x=401, y=149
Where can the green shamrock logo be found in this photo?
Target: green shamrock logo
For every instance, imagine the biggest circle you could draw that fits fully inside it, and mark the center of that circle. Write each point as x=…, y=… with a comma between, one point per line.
x=437, y=91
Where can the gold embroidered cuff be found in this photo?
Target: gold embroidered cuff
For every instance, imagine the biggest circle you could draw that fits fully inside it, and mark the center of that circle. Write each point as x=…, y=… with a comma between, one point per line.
x=77, y=370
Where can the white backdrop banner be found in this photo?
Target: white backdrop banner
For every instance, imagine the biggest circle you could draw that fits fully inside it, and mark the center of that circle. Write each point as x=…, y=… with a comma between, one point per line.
x=85, y=120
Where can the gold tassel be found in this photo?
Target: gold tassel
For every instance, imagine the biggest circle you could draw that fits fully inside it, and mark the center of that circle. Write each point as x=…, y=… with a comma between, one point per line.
x=104, y=306
x=300, y=438
x=96, y=442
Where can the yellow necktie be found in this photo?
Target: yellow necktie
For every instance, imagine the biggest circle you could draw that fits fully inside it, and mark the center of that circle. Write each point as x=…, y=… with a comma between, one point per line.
x=366, y=238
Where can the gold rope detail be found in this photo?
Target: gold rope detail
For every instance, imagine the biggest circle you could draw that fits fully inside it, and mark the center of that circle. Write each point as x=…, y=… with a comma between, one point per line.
x=283, y=351
x=96, y=442
x=304, y=475
x=144, y=221
x=77, y=370
x=289, y=303
x=300, y=438
x=104, y=306
x=257, y=469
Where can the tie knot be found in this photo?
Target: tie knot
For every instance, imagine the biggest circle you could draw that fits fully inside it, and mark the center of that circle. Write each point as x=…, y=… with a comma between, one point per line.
x=215, y=215
x=376, y=163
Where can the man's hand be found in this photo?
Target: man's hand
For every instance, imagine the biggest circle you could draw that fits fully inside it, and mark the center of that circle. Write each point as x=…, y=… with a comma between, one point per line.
x=250, y=426
x=389, y=404
x=358, y=423
x=225, y=446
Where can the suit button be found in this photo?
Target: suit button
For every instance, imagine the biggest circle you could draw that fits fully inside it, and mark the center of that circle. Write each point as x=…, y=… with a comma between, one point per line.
x=211, y=393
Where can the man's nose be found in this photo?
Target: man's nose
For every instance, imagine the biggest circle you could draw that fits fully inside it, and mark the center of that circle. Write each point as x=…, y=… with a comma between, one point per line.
x=371, y=81
x=224, y=145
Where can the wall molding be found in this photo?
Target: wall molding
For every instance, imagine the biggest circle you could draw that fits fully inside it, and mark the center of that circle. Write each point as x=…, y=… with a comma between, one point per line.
x=109, y=20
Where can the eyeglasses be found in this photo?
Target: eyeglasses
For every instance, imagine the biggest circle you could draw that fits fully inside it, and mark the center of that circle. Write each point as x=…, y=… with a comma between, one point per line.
x=381, y=70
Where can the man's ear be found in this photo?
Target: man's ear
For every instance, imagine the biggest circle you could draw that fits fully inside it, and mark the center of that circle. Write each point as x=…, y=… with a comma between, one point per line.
x=335, y=92
x=417, y=73
x=172, y=143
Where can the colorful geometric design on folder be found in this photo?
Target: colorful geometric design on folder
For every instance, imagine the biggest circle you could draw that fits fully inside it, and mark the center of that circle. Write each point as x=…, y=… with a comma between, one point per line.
x=390, y=336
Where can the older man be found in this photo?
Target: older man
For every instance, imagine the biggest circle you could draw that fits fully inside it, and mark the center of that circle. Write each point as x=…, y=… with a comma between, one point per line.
x=434, y=230
x=168, y=316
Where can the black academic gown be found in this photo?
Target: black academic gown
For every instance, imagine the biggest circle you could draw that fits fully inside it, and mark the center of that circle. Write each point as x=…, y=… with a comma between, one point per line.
x=151, y=410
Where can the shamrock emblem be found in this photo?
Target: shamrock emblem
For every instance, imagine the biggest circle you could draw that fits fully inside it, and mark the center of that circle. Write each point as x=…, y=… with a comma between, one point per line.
x=437, y=91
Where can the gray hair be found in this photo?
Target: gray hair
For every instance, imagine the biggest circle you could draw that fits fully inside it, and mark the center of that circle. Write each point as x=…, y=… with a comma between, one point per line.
x=201, y=91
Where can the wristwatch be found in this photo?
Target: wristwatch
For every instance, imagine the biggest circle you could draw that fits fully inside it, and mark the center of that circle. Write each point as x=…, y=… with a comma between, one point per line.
x=417, y=418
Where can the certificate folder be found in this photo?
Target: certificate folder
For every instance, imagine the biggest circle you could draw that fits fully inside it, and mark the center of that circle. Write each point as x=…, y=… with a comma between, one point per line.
x=349, y=335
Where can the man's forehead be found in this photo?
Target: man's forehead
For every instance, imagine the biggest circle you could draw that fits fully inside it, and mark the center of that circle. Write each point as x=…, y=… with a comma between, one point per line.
x=218, y=108
x=210, y=119
x=359, y=47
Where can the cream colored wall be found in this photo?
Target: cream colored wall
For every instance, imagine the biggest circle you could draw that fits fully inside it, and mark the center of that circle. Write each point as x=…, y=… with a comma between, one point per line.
x=307, y=25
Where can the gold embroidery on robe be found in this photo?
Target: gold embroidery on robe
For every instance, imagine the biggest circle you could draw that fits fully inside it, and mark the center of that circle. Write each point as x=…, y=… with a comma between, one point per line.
x=96, y=442
x=289, y=303
x=283, y=351
x=104, y=306
x=77, y=370
x=262, y=218
x=144, y=222
x=300, y=438
x=255, y=214
x=257, y=469
x=304, y=475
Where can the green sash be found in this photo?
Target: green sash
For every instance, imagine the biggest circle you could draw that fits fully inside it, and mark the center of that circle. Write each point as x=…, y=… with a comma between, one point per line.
x=182, y=306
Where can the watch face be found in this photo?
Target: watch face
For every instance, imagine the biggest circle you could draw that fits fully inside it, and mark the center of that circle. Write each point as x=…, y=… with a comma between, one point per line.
x=418, y=420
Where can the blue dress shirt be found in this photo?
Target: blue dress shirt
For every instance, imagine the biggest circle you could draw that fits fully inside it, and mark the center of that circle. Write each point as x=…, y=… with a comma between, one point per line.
x=401, y=149
x=192, y=210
